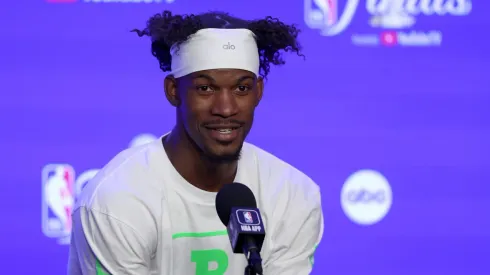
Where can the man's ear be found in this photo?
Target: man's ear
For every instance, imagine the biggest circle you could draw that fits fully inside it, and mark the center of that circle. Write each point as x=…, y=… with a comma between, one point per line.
x=260, y=90
x=170, y=86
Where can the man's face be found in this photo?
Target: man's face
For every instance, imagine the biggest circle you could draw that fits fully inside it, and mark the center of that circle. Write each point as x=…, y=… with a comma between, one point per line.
x=216, y=109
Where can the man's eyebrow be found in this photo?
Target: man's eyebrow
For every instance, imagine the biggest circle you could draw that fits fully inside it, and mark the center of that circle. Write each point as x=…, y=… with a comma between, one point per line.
x=206, y=77
x=243, y=78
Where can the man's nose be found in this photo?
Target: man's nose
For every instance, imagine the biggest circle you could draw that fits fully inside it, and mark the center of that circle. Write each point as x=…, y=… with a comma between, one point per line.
x=225, y=104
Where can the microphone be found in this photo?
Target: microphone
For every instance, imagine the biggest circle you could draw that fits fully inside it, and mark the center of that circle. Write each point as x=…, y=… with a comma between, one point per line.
x=237, y=210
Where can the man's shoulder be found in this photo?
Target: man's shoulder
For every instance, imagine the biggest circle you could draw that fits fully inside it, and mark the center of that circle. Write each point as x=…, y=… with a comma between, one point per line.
x=279, y=174
x=126, y=180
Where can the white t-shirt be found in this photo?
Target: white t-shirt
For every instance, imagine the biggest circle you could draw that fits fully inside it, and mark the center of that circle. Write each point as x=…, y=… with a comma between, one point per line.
x=138, y=216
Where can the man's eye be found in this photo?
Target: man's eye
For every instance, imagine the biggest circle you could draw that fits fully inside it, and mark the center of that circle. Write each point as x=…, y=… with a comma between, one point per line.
x=242, y=89
x=204, y=89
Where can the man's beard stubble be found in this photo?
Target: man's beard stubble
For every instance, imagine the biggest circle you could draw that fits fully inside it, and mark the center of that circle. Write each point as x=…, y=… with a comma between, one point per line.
x=223, y=159
x=208, y=156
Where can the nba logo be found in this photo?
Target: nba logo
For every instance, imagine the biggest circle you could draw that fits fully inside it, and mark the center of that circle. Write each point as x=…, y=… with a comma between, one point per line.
x=57, y=199
x=248, y=217
x=321, y=14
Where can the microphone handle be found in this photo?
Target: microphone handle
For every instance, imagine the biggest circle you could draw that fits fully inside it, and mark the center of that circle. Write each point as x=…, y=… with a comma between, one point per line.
x=253, y=257
x=249, y=270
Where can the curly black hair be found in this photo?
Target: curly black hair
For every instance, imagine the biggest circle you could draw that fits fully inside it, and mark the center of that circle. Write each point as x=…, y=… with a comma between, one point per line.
x=272, y=35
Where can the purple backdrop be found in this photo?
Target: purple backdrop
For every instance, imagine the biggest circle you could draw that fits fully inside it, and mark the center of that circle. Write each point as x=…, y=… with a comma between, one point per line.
x=388, y=113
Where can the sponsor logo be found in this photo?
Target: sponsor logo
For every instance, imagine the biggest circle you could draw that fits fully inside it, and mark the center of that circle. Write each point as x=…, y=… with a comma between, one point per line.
x=229, y=46
x=58, y=199
x=366, y=197
x=247, y=217
x=60, y=190
x=390, y=23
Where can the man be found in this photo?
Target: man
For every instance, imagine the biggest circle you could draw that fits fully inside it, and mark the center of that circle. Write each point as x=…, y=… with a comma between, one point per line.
x=151, y=209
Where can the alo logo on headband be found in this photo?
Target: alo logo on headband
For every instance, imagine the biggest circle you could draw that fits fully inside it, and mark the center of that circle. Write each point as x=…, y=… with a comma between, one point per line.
x=229, y=46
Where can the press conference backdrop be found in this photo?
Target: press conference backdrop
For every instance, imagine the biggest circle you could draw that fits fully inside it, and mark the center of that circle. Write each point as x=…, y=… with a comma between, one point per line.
x=388, y=113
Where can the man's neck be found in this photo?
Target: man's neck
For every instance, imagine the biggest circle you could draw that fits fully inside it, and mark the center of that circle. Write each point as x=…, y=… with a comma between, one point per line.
x=197, y=170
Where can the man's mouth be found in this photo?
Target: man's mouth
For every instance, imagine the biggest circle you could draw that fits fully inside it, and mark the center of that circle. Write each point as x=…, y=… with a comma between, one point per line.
x=225, y=130
x=224, y=133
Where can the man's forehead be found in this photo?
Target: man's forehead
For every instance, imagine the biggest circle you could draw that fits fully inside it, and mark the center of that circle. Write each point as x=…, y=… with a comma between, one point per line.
x=221, y=75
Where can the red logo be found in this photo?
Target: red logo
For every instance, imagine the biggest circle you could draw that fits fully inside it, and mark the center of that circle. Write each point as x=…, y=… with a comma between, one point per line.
x=58, y=199
x=389, y=38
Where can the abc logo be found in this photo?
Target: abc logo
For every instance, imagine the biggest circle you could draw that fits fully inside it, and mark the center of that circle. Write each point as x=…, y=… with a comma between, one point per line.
x=366, y=197
x=229, y=46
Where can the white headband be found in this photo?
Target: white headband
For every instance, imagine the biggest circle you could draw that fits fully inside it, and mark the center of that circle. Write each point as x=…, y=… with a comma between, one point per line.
x=216, y=49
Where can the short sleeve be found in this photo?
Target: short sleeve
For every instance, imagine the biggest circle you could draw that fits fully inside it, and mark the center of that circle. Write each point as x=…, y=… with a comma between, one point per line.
x=103, y=245
x=297, y=237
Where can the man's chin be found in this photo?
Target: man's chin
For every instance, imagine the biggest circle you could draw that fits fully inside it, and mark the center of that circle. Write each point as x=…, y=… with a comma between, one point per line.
x=223, y=156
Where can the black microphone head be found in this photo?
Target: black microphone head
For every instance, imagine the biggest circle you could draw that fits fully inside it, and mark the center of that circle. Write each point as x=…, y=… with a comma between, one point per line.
x=233, y=195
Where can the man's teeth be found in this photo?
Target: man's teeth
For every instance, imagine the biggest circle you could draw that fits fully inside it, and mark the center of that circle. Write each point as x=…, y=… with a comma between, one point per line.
x=224, y=131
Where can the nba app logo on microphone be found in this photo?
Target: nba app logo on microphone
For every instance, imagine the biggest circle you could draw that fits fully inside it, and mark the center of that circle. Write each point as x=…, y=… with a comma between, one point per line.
x=248, y=217
x=58, y=199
